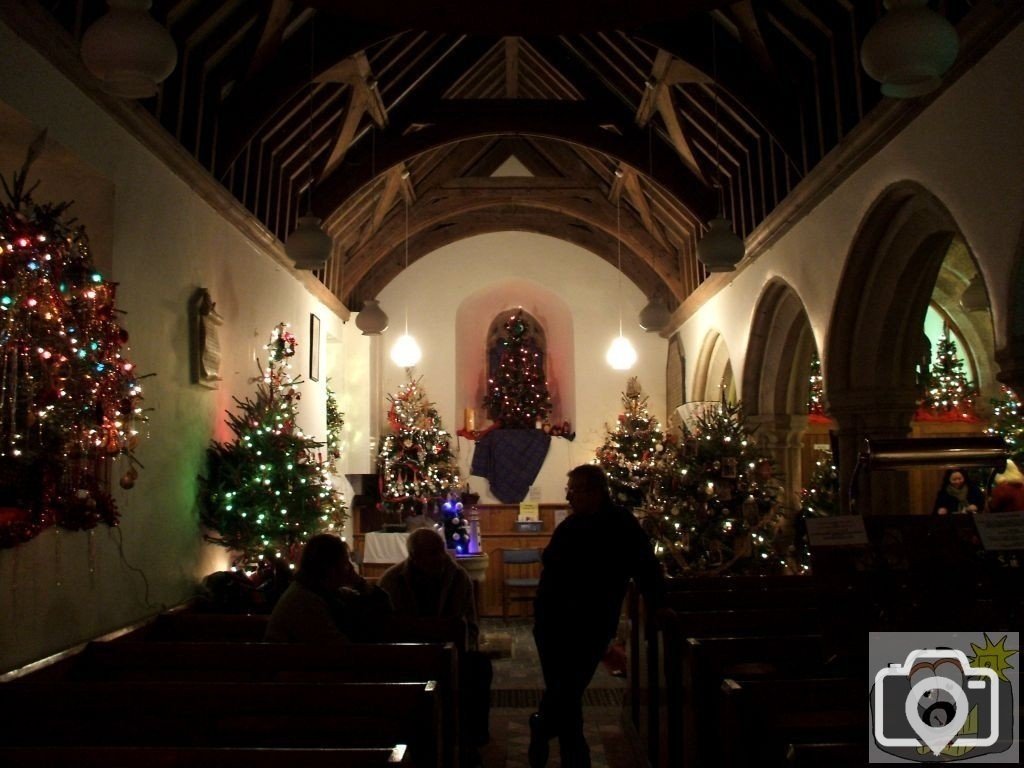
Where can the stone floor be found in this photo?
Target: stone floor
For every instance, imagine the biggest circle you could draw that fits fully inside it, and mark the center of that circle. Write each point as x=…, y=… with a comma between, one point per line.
x=516, y=692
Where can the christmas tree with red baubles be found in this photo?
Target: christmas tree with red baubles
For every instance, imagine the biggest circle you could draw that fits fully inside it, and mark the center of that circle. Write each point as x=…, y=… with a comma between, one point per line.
x=70, y=400
x=634, y=451
x=267, y=492
x=416, y=465
x=517, y=392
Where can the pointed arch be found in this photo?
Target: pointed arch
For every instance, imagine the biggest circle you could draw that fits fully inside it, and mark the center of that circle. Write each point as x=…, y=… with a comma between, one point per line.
x=875, y=331
x=713, y=375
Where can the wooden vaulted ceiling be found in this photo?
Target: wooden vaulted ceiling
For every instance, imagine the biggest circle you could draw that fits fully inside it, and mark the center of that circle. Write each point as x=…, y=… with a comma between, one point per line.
x=387, y=118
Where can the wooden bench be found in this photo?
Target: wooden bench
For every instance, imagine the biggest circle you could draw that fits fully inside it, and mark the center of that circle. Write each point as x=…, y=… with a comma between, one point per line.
x=218, y=714
x=203, y=757
x=274, y=662
x=758, y=719
x=695, y=671
x=852, y=755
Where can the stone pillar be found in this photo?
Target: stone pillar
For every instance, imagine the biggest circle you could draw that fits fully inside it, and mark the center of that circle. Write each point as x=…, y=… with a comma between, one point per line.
x=871, y=413
x=1011, y=365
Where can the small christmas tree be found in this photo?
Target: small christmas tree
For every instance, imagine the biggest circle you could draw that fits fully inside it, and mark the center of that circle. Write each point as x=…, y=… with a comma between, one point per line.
x=723, y=513
x=70, y=398
x=268, y=491
x=816, y=392
x=456, y=535
x=335, y=423
x=820, y=498
x=1008, y=423
x=517, y=392
x=633, y=451
x=950, y=394
x=415, y=462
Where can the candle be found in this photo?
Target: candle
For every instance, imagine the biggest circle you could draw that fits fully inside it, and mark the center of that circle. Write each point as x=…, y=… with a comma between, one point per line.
x=470, y=420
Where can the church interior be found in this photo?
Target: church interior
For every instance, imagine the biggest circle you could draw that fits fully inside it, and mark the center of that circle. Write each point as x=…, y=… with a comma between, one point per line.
x=762, y=260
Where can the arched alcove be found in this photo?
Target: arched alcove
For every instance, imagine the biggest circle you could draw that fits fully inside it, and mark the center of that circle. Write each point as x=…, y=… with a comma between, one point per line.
x=713, y=375
x=875, y=331
x=776, y=383
x=474, y=320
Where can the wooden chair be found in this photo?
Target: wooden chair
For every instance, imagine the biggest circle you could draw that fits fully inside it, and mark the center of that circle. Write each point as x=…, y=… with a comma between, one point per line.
x=518, y=576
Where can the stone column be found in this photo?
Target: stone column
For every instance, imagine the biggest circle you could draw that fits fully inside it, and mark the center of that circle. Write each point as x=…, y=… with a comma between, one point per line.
x=1011, y=365
x=782, y=435
x=871, y=413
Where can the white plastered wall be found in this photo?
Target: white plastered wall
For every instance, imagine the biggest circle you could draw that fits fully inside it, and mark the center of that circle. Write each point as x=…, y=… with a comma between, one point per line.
x=62, y=588
x=537, y=272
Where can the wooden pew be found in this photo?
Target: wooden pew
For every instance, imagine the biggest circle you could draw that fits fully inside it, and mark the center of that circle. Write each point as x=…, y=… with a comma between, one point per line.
x=758, y=719
x=276, y=662
x=695, y=672
x=218, y=714
x=853, y=755
x=722, y=592
x=203, y=757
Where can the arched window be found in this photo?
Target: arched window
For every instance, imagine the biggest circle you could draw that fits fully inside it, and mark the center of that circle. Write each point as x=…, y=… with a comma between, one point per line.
x=517, y=388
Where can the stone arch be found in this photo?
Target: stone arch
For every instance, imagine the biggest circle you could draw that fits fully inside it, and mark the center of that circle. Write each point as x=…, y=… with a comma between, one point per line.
x=713, y=374
x=776, y=386
x=875, y=328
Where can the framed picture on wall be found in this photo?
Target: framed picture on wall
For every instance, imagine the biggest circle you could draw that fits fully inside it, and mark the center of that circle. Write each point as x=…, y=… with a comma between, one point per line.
x=314, y=348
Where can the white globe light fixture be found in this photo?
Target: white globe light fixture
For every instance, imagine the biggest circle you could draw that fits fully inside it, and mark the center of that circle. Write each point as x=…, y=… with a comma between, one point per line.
x=621, y=356
x=127, y=51
x=909, y=49
x=308, y=245
x=371, y=319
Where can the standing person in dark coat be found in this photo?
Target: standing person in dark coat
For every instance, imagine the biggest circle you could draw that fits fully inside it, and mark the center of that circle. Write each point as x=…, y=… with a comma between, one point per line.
x=591, y=558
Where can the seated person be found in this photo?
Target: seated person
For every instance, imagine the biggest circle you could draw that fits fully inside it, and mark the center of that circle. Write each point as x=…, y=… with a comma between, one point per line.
x=430, y=583
x=327, y=601
x=958, y=494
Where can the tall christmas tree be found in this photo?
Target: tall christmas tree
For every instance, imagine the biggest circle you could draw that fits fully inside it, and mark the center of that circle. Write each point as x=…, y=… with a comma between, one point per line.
x=950, y=394
x=1008, y=423
x=69, y=398
x=416, y=464
x=517, y=392
x=724, y=513
x=633, y=450
x=268, y=491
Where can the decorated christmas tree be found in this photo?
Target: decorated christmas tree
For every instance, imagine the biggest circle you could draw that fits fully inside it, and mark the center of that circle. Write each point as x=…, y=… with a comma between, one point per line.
x=335, y=423
x=820, y=498
x=1008, y=423
x=634, y=451
x=950, y=394
x=816, y=393
x=517, y=392
x=268, y=491
x=723, y=513
x=456, y=534
x=69, y=398
x=415, y=463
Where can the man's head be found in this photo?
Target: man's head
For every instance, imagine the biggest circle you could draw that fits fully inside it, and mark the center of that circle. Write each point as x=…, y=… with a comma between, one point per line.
x=427, y=552
x=325, y=562
x=587, y=489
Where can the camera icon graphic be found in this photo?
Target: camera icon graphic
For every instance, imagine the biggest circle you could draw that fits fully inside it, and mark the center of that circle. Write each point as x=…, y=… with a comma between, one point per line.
x=935, y=704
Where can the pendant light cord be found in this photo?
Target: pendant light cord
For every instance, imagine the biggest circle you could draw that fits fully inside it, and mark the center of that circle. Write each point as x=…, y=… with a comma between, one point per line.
x=407, y=262
x=618, y=244
x=309, y=121
x=718, y=124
